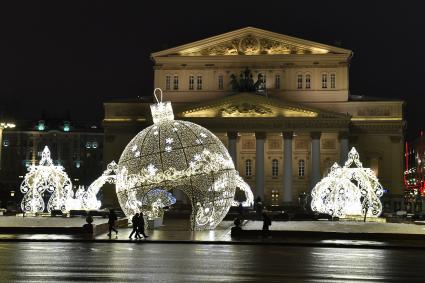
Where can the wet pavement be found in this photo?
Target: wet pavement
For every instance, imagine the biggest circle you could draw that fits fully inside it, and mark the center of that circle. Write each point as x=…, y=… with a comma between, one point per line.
x=127, y=262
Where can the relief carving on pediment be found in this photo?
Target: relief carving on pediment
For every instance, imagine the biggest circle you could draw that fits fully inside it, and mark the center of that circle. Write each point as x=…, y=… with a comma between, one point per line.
x=252, y=45
x=244, y=109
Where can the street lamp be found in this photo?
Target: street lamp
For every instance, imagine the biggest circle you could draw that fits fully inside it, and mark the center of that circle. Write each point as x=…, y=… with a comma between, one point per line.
x=4, y=125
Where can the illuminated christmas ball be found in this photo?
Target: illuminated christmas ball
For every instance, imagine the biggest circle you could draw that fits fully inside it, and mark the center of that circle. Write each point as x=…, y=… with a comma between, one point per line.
x=173, y=154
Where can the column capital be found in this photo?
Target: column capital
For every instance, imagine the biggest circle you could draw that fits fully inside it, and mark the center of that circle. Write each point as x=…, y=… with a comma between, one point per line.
x=343, y=135
x=315, y=135
x=260, y=135
x=287, y=135
x=232, y=135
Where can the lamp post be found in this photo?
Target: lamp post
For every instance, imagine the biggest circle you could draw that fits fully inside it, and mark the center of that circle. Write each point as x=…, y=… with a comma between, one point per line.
x=4, y=125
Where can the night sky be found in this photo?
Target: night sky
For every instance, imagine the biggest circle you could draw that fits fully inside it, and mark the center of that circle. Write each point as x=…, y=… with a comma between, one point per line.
x=70, y=57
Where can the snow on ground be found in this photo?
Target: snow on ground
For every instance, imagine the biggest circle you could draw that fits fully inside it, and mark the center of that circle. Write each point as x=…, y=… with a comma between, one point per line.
x=19, y=221
x=339, y=226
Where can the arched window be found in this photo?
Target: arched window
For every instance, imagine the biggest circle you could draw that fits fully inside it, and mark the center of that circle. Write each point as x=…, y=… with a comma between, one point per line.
x=301, y=168
x=167, y=82
x=333, y=78
x=176, y=82
x=299, y=81
x=191, y=82
x=308, y=81
x=324, y=80
x=275, y=167
x=248, y=167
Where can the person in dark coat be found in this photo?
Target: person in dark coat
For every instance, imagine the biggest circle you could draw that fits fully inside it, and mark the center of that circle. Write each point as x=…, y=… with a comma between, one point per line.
x=141, y=225
x=266, y=224
x=111, y=221
x=135, y=220
x=236, y=230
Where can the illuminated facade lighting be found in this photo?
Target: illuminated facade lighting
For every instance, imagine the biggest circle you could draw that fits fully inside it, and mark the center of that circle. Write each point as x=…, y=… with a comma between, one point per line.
x=41, y=126
x=66, y=126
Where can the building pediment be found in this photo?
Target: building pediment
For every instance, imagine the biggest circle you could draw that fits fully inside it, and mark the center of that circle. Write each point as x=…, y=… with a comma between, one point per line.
x=253, y=106
x=251, y=41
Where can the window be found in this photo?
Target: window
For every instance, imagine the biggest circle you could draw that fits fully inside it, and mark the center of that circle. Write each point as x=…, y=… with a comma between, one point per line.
x=277, y=82
x=374, y=165
x=199, y=82
x=191, y=82
x=324, y=80
x=332, y=80
x=300, y=81
x=248, y=167
x=176, y=82
x=301, y=168
x=167, y=82
x=220, y=82
x=308, y=81
x=275, y=197
x=275, y=167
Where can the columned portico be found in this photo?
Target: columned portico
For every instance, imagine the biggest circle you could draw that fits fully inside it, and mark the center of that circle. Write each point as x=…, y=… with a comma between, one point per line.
x=287, y=167
x=343, y=142
x=259, y=164
x=232, y=138
x=315, y=158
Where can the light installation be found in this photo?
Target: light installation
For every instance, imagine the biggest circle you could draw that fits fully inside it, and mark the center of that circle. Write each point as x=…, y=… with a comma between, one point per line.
x=45, y=177
x=86, y=199
x=243, y=186
x=174, y=154
x=351, y=190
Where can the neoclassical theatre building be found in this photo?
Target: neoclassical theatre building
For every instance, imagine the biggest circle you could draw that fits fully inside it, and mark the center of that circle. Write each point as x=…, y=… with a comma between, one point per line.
x=280, y=104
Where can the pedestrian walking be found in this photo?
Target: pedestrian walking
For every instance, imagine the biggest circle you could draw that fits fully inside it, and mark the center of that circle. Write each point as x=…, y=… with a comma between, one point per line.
x=258, y=205
x=135, y=220
x=266, y=224
x=111, y=222
x=141, y=225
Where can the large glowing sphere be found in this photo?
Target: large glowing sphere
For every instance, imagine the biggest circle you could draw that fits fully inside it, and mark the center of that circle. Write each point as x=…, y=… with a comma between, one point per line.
x=173, y=154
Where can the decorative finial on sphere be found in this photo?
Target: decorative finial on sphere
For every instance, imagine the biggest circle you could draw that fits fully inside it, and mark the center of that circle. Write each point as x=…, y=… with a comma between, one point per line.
x=161, y=111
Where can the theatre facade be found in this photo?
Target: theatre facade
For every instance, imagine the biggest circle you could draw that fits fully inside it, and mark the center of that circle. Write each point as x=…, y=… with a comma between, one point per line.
x=280, y=104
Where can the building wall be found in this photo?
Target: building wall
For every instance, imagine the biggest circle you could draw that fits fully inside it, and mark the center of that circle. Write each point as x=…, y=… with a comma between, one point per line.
x=288, y=88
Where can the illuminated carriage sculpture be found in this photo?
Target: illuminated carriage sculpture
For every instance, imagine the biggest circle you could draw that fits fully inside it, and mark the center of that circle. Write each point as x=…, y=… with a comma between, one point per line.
x=351, y=190
x=174, y=154
x=45, y=177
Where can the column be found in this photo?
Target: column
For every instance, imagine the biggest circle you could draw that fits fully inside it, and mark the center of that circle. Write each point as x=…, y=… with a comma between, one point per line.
x=287, y=166
x=259, y=164
x=315, y=158
x=1, y=143
x=343, y=151
x=232, y=137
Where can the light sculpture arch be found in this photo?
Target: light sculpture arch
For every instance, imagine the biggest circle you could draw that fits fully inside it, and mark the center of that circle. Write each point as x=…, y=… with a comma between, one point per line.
x=348, y=190
x=45, y=177
x=87, y=199
x=243, y=186
x=175, y=154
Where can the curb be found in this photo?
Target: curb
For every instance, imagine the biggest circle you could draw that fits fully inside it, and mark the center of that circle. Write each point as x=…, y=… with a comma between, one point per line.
x=285, y=244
